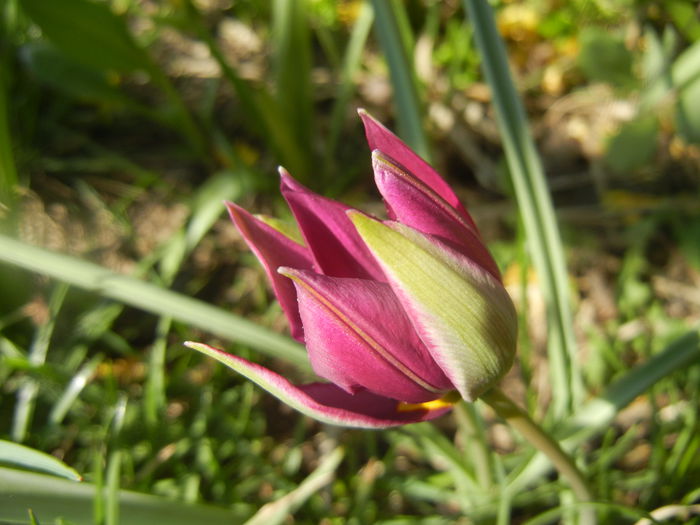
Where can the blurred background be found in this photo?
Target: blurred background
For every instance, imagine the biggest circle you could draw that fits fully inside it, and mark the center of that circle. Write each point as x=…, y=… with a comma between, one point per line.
x=124, y=125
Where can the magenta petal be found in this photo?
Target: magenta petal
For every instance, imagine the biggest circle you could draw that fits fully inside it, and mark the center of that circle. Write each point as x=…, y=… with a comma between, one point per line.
x=322, y=401
x=358, y=335
x=417, y=205
x=274, y=250
x=336, y=247
x=380, y=138
x=376, y=411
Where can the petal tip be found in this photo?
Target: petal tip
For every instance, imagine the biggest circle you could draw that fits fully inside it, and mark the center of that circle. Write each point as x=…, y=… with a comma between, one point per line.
x=235, y=212
x=379, y=157
x=287, y=271
x=356, y=216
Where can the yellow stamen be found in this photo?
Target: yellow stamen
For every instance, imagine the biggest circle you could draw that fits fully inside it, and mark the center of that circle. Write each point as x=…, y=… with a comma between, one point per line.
x=446, y=401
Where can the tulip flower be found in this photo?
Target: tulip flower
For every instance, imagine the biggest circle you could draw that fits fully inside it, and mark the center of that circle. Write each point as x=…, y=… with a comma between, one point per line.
x=401, y=317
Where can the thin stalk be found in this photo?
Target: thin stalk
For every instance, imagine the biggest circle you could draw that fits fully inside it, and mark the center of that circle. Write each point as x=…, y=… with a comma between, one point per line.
x=538, y=438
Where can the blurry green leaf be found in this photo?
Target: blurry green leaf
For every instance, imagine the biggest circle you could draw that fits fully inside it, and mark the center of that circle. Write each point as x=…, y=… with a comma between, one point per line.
x=16, y=455
x=685, y=16
x=688, y=233
x=634, y=145
x=684, y=79
x=52, y=498
x=687, y=114
x=89, y=32
x=78, y=382
x=32, y=518
x=64, y=74
x=605, y=58
x=293, y=71
x=8, y=170
x=403, y=79
x=557, y=23
x=658, y=55
x=206, y=205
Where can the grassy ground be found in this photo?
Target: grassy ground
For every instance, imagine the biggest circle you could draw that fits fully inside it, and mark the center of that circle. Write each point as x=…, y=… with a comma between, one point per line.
x=118, y=148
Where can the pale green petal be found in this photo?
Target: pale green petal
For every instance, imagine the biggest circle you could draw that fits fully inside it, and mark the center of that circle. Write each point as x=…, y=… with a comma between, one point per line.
x=288, y=229
x=463, y=314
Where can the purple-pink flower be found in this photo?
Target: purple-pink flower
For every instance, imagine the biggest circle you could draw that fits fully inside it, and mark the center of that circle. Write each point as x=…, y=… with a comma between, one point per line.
x=402, y=317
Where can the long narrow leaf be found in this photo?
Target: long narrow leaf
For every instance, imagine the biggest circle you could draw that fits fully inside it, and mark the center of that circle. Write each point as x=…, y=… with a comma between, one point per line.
x=51, y=498
x=14, y=454
x=151, y=298
x=89, y=32
x=535, y=207
x=403, y=79
x=8, y=171
x=293, y=69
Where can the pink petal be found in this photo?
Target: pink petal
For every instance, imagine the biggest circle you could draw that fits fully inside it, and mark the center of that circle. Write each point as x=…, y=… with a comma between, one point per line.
x=274, y=249
x=415, y=204
x=337, y=249
x=323, y=401
x=380, y=138
x=358, y=335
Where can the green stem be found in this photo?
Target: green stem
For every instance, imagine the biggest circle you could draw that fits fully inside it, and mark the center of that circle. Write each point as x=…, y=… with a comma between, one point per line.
x=538, y=438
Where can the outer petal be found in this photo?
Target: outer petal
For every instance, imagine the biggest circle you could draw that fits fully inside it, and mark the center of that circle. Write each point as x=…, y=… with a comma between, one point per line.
x=322, y=401
x=380, y=138
x=464, y=315
x=358, y=335
x=336, y=248
x=274, y=249
x=417, y=205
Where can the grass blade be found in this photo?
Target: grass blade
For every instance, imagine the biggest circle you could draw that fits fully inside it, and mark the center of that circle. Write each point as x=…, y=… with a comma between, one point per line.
x=151, y=298
x=8, y=171
x=37, y=356
x=535, y=207
x=14, y=454
x=76, y=385
x=51, y=498
x=277, y=512
x=403, y=79
x=292, y=64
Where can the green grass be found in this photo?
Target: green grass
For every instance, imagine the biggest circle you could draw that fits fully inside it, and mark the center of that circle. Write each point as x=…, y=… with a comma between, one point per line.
x=115, y=249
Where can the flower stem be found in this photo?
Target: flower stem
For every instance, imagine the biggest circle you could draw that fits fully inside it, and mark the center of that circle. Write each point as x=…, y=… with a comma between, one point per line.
x=538, y=438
